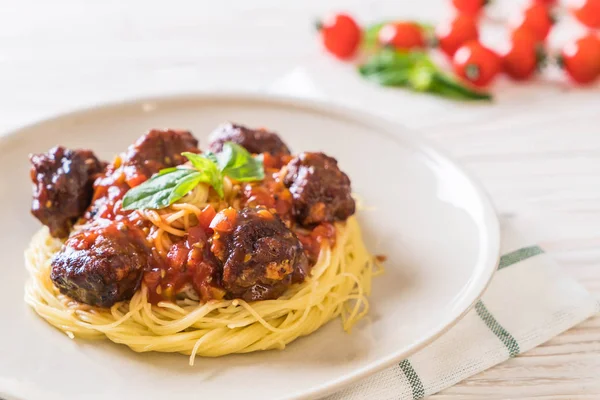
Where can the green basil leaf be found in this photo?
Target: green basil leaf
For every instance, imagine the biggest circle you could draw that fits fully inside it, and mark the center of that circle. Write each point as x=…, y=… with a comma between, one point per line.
x=200, y=162
x=388, y=59
x=416, y=70
x=167, y=170
x=211, y=156
x=394, y=68
x=447, y=86
x=232, y=156
x=237, y=163
x=171, y=184
x=423, y=61
x=207, y=166
x=421, y=79
x=398, y=78
x=186, y=184
x=162, y=190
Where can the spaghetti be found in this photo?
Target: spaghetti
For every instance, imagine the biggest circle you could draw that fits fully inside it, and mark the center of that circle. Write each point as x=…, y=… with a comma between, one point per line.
x=338, y=286
x=236, y=251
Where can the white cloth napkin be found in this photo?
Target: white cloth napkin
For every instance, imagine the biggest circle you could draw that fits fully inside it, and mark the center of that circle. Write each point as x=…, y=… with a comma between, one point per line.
x=530, y=300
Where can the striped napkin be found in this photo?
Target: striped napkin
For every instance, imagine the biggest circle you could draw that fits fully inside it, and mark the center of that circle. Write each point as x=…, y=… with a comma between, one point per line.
x=548, y=303
x=529, y=301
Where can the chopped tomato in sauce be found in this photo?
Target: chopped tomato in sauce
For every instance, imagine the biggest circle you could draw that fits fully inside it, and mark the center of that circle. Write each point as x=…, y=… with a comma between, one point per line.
x=191, y=262
x=188, y=263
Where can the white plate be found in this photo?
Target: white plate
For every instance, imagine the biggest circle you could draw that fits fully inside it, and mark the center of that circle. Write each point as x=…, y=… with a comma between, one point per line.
x=433, y=222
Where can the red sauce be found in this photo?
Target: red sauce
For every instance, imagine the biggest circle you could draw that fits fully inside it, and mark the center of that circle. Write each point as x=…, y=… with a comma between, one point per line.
x=190, y=262
x=109, y=190
x=312, y=240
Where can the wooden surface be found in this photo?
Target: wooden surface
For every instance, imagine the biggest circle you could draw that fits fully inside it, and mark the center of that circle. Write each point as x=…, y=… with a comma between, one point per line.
x=536, y=148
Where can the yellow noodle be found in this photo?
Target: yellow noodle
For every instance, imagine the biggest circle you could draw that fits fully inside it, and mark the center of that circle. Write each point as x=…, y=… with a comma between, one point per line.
x=338, y=286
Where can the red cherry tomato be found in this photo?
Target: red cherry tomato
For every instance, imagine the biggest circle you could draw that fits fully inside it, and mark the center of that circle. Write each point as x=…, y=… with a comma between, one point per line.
x=521, y=59
x=402, y=35
x=581, y=59
x=453, y=34
x=587, y=11
x=341, y=35
x=537, y=18
x=476, y=63
x=546, y=3
x=469, y=7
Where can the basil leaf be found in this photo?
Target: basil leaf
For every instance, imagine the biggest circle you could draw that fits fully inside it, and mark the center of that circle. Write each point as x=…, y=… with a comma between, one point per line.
x=393, y=68
x=237, y=163
x=212, y=174
x=447, y=86
x=166, y=170
x=200, y=162
x=171, y=184
x=398, y=78
x=416, y=70
x=211, y=156
x=387, y=59
x=162, y=190
x=421, y=79
x=225, y=156
x=186, y=184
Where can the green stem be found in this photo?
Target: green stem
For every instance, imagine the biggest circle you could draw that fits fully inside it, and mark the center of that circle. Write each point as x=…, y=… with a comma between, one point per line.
x=450, y=86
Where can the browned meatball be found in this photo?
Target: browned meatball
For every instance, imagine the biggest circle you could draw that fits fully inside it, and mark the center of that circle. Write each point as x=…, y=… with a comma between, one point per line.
x=154, y=151
x=321, y=192
x=62, y=186
x=101, y=264
x=254, y=140
x=261, y=257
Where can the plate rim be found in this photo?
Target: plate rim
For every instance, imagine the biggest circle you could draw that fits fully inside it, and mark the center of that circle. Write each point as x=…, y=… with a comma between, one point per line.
x=352, y=114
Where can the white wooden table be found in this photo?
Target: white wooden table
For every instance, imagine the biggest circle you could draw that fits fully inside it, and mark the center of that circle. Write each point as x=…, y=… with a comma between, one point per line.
x=536, y=148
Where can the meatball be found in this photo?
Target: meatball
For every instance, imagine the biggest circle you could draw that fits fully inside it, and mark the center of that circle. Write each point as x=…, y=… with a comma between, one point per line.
x=154, y=151
x=261, y=257
x=101, y=264
x=62, y=186
x=321, y=192
x=254, y=140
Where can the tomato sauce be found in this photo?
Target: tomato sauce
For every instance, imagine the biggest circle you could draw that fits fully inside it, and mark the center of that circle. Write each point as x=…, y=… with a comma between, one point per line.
x=109, y=190
x=312, y=240
x=190, y=263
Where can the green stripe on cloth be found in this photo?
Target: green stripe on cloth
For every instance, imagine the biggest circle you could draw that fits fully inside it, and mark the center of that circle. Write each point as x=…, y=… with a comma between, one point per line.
x=519, y=255
x=418, y=392
x=509, y=341
x=415, y=382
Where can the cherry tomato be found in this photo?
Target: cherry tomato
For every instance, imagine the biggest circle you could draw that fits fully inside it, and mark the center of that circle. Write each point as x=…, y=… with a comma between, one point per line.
x=476, y=63
x=546, y=3
x=523, y=56
x=341, y=35
x=469, y=7
x=537, y=18
x=402, y=35
x=452, y=34
x=581, y=59
x=587, y=11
